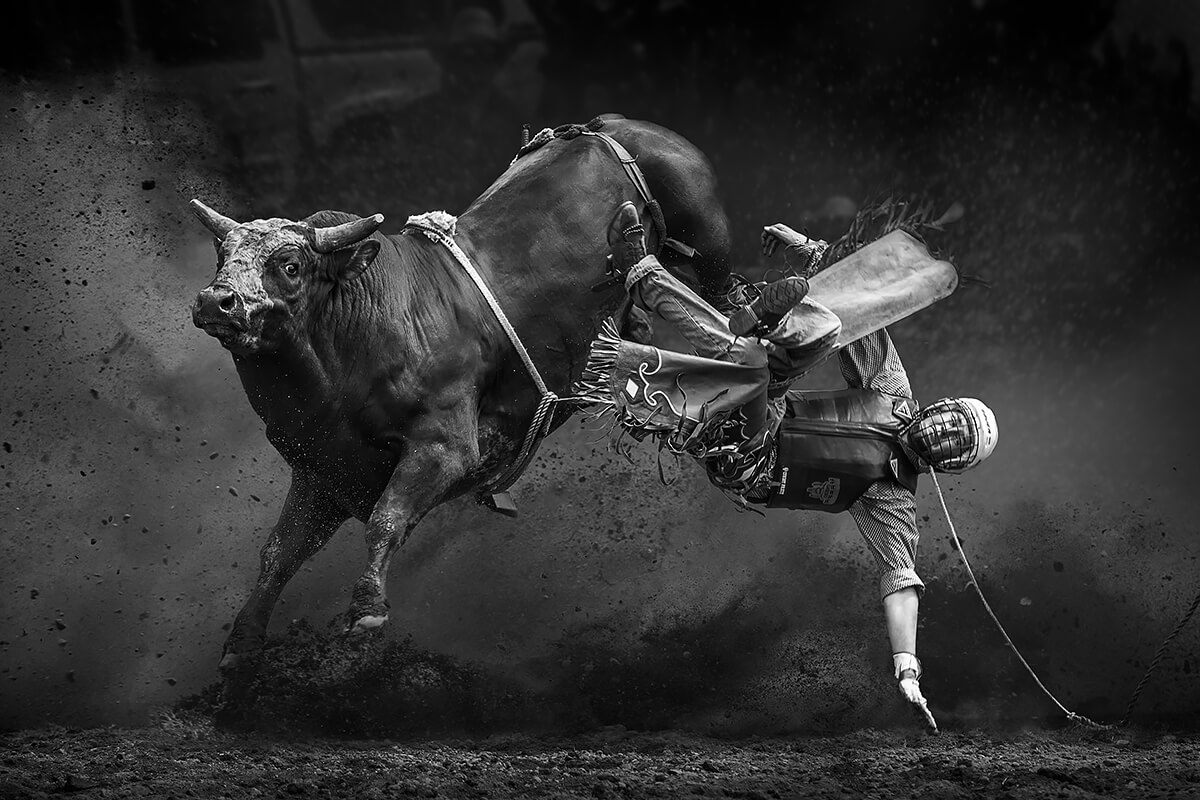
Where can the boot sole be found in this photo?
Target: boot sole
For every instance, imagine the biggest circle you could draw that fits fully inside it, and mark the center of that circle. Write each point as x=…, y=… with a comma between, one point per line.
x=776, y=300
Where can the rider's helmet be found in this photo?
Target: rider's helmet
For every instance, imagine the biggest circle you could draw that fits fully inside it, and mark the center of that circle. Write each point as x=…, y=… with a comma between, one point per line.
x=952, y=434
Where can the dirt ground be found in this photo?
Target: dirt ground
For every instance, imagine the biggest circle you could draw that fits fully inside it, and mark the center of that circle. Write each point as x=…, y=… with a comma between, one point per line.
x=187, y=757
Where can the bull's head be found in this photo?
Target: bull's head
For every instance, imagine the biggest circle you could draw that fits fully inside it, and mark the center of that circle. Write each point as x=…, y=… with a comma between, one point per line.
x=269, y=269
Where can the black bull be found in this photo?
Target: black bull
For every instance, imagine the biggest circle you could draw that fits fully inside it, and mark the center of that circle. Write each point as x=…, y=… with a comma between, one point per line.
x=386, y=382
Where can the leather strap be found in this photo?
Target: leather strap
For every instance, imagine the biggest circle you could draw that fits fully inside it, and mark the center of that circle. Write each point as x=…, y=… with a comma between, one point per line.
x=629, y=162
x=448, y=242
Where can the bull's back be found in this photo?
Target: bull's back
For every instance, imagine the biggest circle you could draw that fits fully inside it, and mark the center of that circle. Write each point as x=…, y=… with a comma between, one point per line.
x=580, y=181
x=538, y=235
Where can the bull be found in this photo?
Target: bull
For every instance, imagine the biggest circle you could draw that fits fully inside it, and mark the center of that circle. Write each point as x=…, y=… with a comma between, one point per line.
x=386, y=381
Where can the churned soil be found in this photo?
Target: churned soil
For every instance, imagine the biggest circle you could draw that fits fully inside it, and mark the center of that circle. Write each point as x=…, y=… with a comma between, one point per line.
x=186, y=756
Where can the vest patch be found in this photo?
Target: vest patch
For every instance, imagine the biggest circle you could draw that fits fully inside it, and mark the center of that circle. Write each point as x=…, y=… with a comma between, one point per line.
x=825, y=491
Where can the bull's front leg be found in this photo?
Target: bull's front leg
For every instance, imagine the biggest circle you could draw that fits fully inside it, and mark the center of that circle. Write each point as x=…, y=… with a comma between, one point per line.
x=308, y=520
x=439, y=451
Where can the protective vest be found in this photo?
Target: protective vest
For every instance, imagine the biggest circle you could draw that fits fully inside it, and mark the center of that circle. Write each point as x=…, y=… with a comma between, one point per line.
x=831, y=446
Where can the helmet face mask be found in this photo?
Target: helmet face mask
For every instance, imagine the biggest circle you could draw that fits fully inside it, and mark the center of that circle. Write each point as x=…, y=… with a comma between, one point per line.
x=952, y=434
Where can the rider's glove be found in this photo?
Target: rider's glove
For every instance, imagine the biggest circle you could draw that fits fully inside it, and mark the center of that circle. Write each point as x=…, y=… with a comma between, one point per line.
x=908, y=672
x=906, y=661
x=910, y=689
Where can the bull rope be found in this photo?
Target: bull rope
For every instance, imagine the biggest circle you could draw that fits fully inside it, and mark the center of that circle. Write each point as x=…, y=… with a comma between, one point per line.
x=1071, y=715
x=1158, y=654
x=439, y=227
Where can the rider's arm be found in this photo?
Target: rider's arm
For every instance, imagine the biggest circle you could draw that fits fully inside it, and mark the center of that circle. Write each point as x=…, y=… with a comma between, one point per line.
x=873, y=363
x=886, y=516
x=900, y=615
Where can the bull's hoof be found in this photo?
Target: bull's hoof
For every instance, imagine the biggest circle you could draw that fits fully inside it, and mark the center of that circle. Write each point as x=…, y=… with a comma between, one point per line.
x=236, y=662
x=230, y=662
x=237, y=691
x=232, y=716
x=366, y=623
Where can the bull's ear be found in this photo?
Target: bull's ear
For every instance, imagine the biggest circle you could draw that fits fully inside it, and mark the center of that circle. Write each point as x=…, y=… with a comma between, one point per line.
x=350, y=262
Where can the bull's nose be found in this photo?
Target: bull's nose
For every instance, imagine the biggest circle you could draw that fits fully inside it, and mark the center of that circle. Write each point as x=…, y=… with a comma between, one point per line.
x=218, y=304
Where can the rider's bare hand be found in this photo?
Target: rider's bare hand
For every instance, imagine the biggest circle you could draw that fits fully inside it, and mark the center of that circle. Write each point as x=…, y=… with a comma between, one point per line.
x=774, y=235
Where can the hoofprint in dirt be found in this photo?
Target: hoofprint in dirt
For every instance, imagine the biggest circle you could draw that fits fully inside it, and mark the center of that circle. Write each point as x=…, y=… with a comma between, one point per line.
x=187, y=757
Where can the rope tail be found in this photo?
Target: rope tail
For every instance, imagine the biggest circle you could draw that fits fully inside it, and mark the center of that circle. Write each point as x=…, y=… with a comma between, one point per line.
x=1071, y=715
x=1158, y=654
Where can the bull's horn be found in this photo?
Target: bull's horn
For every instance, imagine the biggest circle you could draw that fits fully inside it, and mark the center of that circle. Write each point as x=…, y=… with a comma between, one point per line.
x=218, y=224
x=326, y=240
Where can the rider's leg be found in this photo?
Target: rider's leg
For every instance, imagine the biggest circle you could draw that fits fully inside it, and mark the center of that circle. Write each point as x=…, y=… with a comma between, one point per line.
x=653, y=288
x=805, y=337
x=705, y=328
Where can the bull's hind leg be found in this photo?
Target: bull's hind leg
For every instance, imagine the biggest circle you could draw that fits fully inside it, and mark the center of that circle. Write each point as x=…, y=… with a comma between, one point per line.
x=438, y=454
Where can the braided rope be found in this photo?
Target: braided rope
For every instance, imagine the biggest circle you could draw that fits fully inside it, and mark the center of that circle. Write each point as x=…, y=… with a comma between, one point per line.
x=1158, y=654
x=538, y=428
x=1071, y=715
x=1154, y=662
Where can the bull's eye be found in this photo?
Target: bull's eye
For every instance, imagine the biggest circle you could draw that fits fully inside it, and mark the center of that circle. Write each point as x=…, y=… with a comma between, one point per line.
x=291, y=268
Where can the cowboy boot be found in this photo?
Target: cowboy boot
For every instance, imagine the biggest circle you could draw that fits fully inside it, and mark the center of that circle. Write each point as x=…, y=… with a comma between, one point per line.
x=767, y=311
x=627, y=240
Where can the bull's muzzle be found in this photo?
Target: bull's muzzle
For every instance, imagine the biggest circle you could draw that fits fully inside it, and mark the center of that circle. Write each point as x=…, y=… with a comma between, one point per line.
x=220, y=312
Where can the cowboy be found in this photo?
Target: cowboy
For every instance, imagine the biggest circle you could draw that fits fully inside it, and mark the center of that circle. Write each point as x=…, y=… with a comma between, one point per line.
x=731, y=406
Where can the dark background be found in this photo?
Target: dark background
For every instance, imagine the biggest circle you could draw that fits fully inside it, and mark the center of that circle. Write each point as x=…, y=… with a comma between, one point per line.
x=137, y=485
